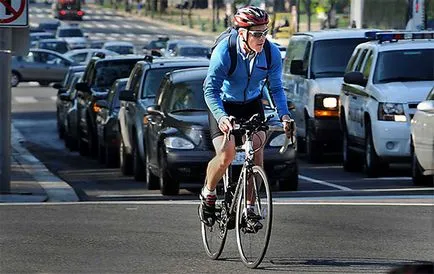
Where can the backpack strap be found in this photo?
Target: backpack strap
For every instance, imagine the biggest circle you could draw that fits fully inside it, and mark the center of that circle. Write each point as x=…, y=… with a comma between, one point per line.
x=267, y=50
x=232, y=53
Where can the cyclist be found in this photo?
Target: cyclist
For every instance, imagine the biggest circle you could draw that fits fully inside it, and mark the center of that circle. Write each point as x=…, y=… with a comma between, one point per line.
x=239, y=95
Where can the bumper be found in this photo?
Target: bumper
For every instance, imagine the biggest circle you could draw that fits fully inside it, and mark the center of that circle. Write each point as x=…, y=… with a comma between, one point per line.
x=278, y=166
x=325, y=130
x=391, y=139
x=188, y=164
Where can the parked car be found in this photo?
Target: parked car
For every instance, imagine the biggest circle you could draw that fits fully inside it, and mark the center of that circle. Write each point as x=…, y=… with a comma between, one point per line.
x=95, y=44
x=83, y=56
x=41, y=65
x=56, y=45
x=73, y=35
x=49, y=25
x=71, y=123
x=171, y=44
x=379, y=97
x=99, y=76
x=120, y=47
x=422, y=142
x=156, y=47
x=107, y=125
x=313, y=71
x=178, y=142
x=36, y=36
x=191, y=50
x=140, y=92
x=63, y=97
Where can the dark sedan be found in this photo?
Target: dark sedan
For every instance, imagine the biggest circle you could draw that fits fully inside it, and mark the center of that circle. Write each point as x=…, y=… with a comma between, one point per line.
x=107, y=125
x=178, y=143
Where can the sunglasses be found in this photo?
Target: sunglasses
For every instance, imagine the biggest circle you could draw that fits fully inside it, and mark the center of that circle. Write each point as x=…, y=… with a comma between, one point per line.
x=259, y=34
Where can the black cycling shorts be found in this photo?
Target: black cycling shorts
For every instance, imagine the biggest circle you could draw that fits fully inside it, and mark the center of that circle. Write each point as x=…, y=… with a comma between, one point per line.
x=239, y=111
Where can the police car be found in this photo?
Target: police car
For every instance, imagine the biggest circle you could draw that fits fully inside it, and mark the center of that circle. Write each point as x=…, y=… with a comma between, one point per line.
x=386, y=79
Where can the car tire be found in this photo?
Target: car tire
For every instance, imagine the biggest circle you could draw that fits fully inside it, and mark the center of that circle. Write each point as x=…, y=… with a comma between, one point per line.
x=168, y=185
x=111, y=157
x=15, y=78
x=60, y=128
x=139, y=167
x=314, y=150
x=290, y=183
x=152, y=181
x=125, y=161
x=350, y=159
x=417, y=172
x=372, y=161
x=44, y=83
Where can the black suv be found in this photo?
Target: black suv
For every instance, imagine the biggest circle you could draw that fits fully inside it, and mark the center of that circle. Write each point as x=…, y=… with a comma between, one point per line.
x=98, y=77
x=140, y=92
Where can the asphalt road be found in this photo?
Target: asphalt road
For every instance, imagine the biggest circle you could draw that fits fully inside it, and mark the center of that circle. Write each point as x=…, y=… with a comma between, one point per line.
x=337, y=222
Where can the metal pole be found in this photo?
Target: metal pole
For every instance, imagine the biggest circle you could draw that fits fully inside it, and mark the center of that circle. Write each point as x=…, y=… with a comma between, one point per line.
x=5, y=109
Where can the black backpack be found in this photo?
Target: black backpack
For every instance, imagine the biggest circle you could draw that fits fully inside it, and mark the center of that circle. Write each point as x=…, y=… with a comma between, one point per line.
x=232, y=33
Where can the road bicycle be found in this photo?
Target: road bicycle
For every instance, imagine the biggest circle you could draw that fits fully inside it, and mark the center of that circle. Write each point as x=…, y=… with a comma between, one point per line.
x=231, y=205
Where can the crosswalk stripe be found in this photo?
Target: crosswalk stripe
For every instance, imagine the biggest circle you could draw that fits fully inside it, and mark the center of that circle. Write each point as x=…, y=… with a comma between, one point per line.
x=25, y=99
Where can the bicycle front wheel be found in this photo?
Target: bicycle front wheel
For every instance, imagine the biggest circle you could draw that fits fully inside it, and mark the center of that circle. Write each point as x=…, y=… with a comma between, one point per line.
x=214, y=237
x=253, y=236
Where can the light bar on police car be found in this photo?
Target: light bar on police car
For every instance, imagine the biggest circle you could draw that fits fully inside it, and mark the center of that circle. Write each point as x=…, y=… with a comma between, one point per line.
x=394, y=36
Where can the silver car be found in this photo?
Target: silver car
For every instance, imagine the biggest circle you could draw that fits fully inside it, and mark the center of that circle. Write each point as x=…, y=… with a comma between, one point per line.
x=40, y=65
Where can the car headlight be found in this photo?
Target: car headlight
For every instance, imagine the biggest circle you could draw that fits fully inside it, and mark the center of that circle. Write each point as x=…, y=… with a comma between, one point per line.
x=326, y=105
x=178, y=143
x=278, y=141
x=391, y=112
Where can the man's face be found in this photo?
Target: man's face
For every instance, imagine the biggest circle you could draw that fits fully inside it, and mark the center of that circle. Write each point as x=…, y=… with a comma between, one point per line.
x=255, y=37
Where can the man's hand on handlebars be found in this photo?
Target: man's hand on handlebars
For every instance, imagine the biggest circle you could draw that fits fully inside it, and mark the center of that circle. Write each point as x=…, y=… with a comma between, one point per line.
x=289, y=127
x=225, y=124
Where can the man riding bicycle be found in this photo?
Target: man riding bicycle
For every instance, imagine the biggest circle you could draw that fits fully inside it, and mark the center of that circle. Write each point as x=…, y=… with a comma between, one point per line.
x=239, y=95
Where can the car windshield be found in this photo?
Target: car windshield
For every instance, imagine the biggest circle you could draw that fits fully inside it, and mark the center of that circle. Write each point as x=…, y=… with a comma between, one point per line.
x=71, y=33
x=108, y=72
x=121, y=49
x=393, y=66
x=157, y=44
x=193, y=51
x=153, y=80
x=56, y=46
x=187, y=96
x=330, y=57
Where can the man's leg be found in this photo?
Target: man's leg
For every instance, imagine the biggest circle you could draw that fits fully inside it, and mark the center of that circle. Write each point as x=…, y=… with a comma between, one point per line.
x=218, y=165
x=258, y=141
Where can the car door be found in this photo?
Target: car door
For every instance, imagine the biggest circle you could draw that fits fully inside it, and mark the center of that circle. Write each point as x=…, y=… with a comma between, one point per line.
x=30, y=66
x=423, y=135
x=57, y=67
x=131, y=107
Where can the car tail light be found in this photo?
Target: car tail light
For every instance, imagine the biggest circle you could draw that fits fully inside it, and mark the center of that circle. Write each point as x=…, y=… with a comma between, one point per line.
x=62, y=12
x=80, y=13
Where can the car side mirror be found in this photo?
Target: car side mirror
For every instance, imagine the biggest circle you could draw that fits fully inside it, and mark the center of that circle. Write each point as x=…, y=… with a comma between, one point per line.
x=156, y=53
x=101, y=104
x=155, y=109
x=426, y=106
x=82, y=87
x=57, y=86
x=355, y=78
x=126, y=95
x=297, y=67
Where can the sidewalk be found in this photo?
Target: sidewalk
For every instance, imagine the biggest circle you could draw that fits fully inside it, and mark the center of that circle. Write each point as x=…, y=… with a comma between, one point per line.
x=31, y=181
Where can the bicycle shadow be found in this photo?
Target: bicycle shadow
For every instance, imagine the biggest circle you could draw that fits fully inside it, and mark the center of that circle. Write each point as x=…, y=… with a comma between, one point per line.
x=342, y=265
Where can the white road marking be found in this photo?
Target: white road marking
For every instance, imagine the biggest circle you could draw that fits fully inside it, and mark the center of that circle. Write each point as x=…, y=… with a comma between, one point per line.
x=323, y=183
x=25, y=99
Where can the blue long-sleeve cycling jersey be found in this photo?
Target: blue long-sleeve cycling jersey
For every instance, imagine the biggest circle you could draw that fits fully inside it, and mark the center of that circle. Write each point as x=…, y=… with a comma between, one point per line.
x=242, y=86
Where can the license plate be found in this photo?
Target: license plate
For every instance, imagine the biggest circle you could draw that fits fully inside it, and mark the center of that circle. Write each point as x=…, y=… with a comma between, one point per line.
x=239, y=158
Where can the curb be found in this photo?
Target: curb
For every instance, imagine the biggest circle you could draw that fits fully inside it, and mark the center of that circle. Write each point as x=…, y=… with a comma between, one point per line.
x=56, y=189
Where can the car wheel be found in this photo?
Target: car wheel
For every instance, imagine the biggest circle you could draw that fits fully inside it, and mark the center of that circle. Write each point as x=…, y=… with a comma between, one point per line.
x=92, y=141
x=290, y=183
x=350, y=159
x=139, y=167
x=125, y=161
x=372, y=161
x=417, y=172
x=168, y=186
x=313, y=148
x=151, y=180
x=44, y=83
x=15, y=79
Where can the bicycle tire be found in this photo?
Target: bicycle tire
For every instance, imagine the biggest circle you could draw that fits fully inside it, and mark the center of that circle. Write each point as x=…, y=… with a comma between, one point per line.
x=214, y=237
x=253, y=246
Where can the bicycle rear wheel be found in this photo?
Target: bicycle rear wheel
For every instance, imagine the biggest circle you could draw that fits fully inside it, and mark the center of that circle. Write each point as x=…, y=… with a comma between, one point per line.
x=253, y=242
x=214, y=237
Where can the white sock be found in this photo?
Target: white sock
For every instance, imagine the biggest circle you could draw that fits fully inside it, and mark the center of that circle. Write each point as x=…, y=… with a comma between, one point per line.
x=206, y=192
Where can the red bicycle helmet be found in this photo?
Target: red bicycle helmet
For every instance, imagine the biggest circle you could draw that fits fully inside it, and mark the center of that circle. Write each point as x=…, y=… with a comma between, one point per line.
x=250, y=16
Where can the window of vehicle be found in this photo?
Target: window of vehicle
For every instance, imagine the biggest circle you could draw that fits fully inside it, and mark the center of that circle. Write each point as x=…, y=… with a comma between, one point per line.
x=360, y=60
x=30, y=58
x=79, y=57
x=368, y=64
x=55, y=46
x=187, y=96
x=330, y=57
x=121, y=49
x=70, y=33
x=393, y=66
x=77, y=78
x=353, y=59
x=113, y=96
x=153, y=80
x=136, y=79
x=298, y=49
x=193, y=51
x=108, y=72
